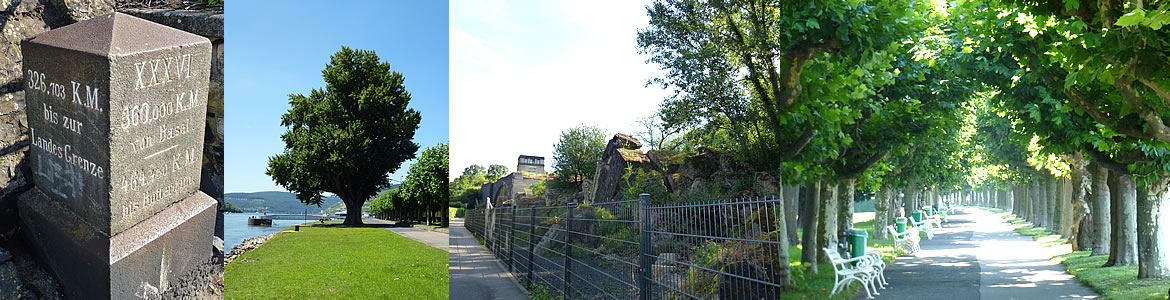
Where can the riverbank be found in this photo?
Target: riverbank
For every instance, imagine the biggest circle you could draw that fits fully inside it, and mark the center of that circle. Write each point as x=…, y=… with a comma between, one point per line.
x=247, y=245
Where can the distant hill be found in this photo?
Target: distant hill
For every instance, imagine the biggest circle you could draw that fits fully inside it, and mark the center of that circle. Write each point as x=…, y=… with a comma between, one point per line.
x=340, y=207
x=277, y=202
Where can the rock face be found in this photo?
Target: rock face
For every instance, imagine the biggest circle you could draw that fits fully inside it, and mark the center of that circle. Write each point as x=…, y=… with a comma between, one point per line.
x=81, y=10
x=117, y=105
x=621, y=152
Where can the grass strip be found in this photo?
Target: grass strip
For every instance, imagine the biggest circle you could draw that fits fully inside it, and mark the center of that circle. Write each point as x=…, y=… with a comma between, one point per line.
x=339, y=262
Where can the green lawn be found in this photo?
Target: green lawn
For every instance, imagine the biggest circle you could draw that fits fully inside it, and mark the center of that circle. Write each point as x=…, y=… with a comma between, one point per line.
x=1111, y=282
x=818, y=286
x=339, y=262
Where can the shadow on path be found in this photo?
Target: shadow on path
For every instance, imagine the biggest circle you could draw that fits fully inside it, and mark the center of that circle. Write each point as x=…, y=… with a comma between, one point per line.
x=976, y=255
x=475, y=272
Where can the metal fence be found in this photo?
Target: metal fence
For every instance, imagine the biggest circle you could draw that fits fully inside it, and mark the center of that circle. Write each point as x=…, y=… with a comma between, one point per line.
x=632, y=249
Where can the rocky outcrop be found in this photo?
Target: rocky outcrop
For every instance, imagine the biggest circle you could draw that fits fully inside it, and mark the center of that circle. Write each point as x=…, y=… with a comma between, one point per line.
x=81, y=10
x=621, y=152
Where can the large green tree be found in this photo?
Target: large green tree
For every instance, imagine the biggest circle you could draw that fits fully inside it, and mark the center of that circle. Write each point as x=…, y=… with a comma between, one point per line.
x=345, y=139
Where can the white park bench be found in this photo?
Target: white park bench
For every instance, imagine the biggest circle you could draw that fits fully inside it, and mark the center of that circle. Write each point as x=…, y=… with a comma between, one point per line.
x=925, y=226
x=860, y=269
x=906, y=240
x=879, y=265
x=937, y=218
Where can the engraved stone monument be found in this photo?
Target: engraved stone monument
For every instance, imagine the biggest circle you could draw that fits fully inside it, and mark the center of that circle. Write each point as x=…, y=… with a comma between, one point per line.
x=116, y=106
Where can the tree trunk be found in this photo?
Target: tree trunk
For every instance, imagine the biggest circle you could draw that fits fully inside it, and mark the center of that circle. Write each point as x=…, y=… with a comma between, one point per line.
x=827, y=220
x=808, y=220
x=1079, y=233
x=1034, y=198
x=791, y=194
x=910, y=202
x=1016, y=200
x=1100, y=209
x=782, y=272
x=1154, y=237
x=1054, y=210
x=894, y=209
x=845, y=191
x=881, y=213
x=1042, y=217
x=1122, y=190
x=353, y=210
x=1002, y=199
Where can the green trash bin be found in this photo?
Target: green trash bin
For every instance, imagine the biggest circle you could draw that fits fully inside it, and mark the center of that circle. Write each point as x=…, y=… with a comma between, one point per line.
x=857, y=242
x=900, y=224
x=917, y=214
x=929, y=211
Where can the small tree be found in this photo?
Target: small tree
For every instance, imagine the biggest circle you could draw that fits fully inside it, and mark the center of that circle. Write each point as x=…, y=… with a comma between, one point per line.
x=346, y=138
x=495, y=172
x=577, y=153
x=426, y=182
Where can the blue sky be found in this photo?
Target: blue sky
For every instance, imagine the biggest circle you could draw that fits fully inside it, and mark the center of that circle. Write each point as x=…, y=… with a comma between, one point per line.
x=273, y=49
x=523, y=71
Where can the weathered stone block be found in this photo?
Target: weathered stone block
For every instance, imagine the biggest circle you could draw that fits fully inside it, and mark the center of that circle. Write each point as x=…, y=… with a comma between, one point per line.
x=116, y=110
x=146, y=260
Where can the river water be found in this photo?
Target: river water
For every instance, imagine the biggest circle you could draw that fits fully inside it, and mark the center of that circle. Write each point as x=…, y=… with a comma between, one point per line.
x=236, y=228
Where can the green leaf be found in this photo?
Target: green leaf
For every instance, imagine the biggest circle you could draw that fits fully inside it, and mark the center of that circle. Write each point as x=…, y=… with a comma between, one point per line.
x=1070, y=80
x=1132, y=18
x=1072, y=5
x=812, y=23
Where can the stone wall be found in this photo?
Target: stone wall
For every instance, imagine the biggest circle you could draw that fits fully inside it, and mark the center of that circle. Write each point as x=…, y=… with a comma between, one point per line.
x=513, y=187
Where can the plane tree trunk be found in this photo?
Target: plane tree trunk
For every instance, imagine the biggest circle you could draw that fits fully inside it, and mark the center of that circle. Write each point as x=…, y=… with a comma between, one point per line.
x=1153, y=240
x=881, y=215
x=827, y=219
x=845, y=190
x=1099, y=209
x=1123, y=191
x=808, y=220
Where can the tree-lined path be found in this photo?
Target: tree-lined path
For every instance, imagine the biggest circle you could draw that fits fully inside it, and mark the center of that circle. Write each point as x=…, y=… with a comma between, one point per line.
x=979, y=256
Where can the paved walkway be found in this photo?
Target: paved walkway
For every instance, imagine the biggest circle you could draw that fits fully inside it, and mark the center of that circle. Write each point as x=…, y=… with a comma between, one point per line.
x=475, y=272
x=978, y=256
x=431, y=238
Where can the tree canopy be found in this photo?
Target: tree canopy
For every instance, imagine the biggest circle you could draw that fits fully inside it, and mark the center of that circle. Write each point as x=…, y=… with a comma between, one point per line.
x=346, y=138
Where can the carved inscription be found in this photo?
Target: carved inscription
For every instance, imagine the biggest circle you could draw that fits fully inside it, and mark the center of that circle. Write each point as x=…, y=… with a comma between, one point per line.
x=148, y=112
x=158, y=71
x=160, y=171
x=153, y=125
x=64, y=166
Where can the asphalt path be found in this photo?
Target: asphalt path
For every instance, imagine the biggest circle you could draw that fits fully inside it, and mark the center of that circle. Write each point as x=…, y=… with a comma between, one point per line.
x=977, y=255
x=475, y=272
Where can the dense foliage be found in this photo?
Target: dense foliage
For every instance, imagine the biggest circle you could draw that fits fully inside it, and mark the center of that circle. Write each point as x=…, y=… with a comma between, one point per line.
x=345, y=139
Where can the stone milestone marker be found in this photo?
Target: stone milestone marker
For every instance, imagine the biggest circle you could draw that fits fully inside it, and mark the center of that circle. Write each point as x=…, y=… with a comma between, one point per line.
x=116, y=106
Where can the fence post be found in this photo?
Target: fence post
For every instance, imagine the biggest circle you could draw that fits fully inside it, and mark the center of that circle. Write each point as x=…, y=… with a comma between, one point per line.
x=644, y=287
x=531, y=244
x=568, y=252
x=511, y=235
